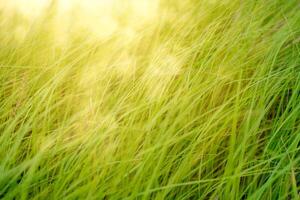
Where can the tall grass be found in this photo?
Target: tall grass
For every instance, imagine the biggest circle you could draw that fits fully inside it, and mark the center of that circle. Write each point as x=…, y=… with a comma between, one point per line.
x=150, y=100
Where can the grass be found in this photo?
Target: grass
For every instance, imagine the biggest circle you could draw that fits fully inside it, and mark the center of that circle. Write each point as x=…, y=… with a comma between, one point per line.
x=155, y=100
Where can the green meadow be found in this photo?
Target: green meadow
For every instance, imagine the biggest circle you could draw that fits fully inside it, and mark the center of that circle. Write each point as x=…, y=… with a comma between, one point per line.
x=150, y=99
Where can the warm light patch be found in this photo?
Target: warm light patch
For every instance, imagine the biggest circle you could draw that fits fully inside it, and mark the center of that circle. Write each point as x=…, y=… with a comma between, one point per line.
x=101, y=18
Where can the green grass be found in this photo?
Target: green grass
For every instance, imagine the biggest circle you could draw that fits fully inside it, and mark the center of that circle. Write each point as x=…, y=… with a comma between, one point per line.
x=201, y=100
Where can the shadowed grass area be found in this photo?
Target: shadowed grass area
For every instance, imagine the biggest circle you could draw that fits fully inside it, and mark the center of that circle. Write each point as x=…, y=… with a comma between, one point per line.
x=150, y=99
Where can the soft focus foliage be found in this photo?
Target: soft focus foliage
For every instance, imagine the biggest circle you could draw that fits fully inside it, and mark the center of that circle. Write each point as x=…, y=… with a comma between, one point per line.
x=149, y=99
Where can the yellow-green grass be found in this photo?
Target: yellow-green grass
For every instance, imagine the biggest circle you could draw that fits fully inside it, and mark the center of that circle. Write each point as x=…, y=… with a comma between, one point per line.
x=169, y=99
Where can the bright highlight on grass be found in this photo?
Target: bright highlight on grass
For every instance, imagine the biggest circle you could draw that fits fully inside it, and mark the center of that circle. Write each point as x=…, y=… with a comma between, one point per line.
x=149, y=99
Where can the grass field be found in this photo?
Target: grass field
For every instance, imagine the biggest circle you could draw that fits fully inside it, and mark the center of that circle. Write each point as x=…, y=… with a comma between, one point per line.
x=150, y=99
